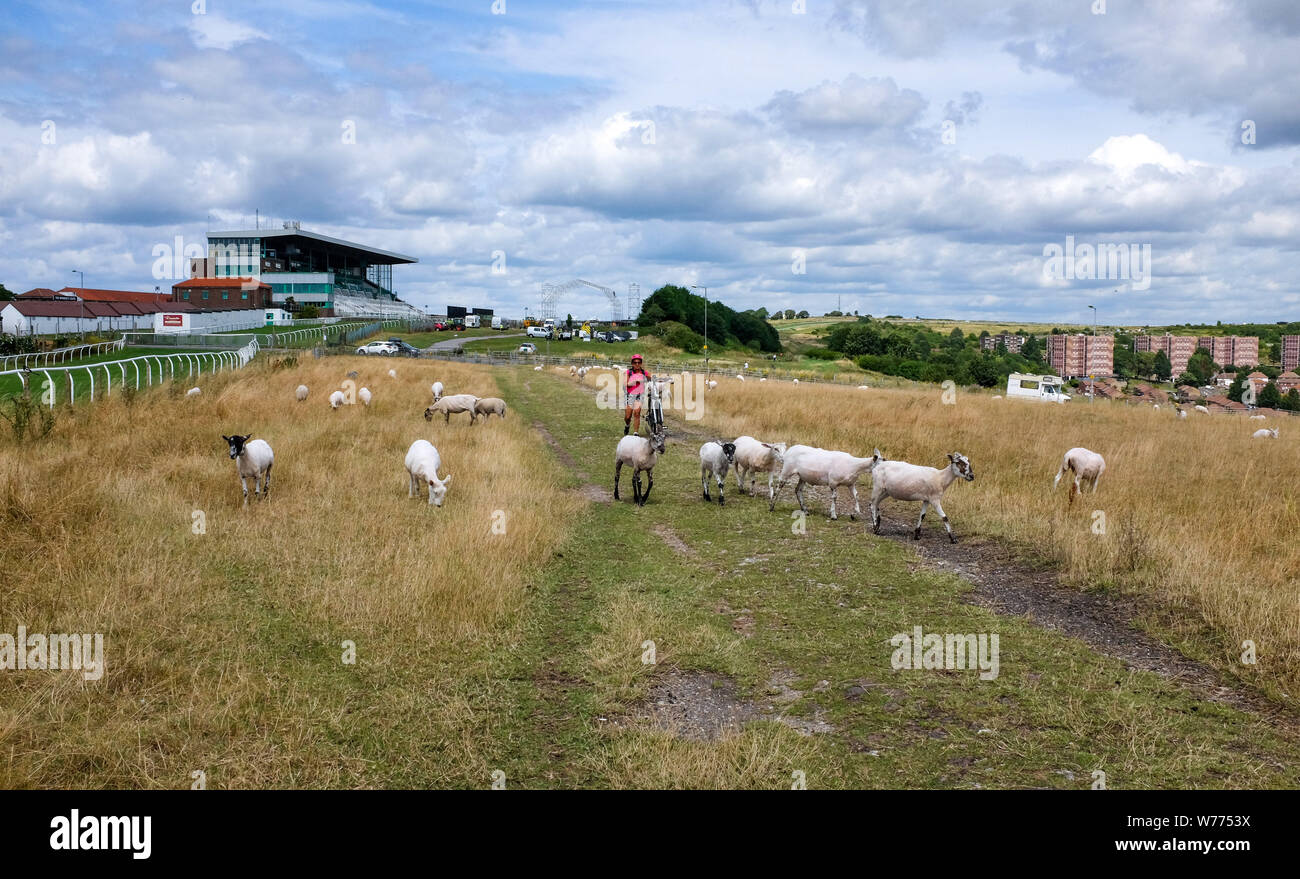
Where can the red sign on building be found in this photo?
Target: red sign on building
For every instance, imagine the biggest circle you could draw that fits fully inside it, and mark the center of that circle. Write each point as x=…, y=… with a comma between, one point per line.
x=173, y=320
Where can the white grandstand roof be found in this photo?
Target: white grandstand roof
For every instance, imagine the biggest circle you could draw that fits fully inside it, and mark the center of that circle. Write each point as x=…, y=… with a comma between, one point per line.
x=303, y=233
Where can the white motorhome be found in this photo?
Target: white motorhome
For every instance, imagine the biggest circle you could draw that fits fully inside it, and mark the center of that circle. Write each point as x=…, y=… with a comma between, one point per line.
x=497, y=322
x=471, y=320
x=1037, y=387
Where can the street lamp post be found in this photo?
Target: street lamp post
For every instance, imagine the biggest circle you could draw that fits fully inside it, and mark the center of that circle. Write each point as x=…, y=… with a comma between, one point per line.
x=1092, y=379
x=706, y=327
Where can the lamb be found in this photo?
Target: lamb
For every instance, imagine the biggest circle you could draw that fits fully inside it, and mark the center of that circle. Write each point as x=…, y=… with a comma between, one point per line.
x=796, y=381
x=1265, y=433
x=1257, y=418
x=1199, y=408
x=823, y=467
x=337, y=399
x=392, y=373
x=422, y=463
x=537, y=369
x=452, y=405
x=301, y=393
x=364, y=396
x=1085, y=465
x=740, y=377
x=710, y=384
x=193, y=392
x=436, y=387
x=909, y=482
x=1182, y=413
x=715, y=458
x=753, y=457
x=488, y=406
x=252, y=459
x=640, y=454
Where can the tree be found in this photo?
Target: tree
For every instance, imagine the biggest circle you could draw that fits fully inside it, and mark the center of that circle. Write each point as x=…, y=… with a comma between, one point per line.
x=308, y=312
x=1202, y=365
x=6, y=295
x=956, y=340
x=568, y=322
x=1163, y=368
x=290, y=304
x=1032, y=350
x=1270, y=397
x=802, y=314
x=761, y=313
x=1291, y=402
x=1237, y=387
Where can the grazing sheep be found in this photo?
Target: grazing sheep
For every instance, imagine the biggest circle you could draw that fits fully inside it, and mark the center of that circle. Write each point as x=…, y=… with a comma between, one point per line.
x=640, y=454
x=422, y=463
x=1257, y=418
x=1155, y=407
x=762, y=379
x=1085, y=465
x=823, y=467
x=252, y=460
x=910, y=482
x=740, y=378
x=436, y=387
x=862, y=387
x=193, y=392
x=489, y=406
x=573, y=370
x=1265, y=433
x=1182, y=413
x=364, y=396
x=1201, y=409
x=710, y=384
x=999, y=397
x=715, y=458
x=452, y=405
x=301, y=393
x=337, y=399
x=392, y=373
x=796, y=381
x=753, y=457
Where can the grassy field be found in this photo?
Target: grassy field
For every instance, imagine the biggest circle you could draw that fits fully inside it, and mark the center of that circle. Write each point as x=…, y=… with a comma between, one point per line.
x=526, y=652
x=12, y=384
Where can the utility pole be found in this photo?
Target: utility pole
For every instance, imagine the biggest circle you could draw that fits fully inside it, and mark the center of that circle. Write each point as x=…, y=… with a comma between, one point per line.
x=1092, y=379
x=81, y=298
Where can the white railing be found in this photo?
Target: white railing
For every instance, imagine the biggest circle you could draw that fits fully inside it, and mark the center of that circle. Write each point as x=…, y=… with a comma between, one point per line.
x=59, y=355
x=193, y=364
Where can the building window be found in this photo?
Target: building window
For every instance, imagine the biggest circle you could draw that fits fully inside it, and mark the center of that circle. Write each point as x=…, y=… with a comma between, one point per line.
x=205, y=294
x=243, y=294
x=225, y=294
x=185, y=295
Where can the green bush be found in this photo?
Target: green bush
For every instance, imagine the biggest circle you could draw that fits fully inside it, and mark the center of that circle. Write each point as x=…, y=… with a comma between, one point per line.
x=823, y=354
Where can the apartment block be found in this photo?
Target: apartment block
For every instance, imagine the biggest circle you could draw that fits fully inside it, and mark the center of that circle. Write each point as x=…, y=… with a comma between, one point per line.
x=1290, y=353
x=1013, y=343
x=1080, y=356
x=1231, y=350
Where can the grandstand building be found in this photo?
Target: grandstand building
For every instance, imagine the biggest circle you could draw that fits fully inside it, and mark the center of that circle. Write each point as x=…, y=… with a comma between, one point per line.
x=341, y=278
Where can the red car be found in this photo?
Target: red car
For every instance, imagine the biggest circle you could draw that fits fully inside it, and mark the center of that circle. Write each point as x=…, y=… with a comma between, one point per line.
x=439, y=326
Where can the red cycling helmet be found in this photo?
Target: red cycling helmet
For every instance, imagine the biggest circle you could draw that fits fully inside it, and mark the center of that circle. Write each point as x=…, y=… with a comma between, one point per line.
x=636, y=357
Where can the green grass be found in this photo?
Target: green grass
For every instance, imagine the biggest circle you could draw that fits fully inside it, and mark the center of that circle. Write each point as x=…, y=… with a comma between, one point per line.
x=759, y=603
x=12, y=384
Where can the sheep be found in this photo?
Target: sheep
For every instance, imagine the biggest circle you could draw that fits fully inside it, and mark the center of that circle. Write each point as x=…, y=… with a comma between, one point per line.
x=537, y=369
x=392, y=373
x=715, y=458
x=1201, y=409
x=640, y=454
x=1085, y=464
x=364, y=396
x=573, y=370
x=337, y=399
x=1265, y=433
x=436, y=387
x=796, y=381
x=252, y=459
x=862, y=387
x=301, y=393
x=1257, y=418
x=762, y=379
x=489, y=406
x=999, y=397
x=910, y=482
x=422, y=463
x=710, y=384
x=754, y=457
x=452, y=405
x=1182, y=413
x=740, y=378
x=193, y=392
x=823, y=467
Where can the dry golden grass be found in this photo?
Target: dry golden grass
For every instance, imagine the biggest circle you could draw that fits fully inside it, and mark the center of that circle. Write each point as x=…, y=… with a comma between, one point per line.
x=223, y=649
x=1200, y=518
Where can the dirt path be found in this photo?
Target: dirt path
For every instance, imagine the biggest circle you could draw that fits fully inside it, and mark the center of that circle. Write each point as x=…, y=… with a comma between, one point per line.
x=1106, y=623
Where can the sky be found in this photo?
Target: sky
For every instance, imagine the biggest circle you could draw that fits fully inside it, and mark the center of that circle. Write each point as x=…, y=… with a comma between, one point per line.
x=892, y=157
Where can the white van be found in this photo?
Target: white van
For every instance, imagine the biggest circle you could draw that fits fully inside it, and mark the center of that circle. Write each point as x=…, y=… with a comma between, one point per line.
x=497, y=322
x=537, y=332
x=1036, y=387
x=472, y=320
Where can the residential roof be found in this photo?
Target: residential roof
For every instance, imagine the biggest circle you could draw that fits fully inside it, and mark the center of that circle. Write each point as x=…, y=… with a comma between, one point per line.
x=48, y=308
x=217, y=283
x=38, y=293
x=1224, y=403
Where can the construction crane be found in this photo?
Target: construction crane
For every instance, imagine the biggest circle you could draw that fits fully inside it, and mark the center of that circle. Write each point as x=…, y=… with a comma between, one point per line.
x=550, y=292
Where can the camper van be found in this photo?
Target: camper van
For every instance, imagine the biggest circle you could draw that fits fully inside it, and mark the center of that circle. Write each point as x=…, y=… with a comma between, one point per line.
x=498, y=323
x=471, y=320
x=1036, y=387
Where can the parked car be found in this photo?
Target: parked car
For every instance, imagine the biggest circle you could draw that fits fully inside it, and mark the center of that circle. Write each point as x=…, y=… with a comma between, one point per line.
x=528, y=348
x=566, y=335
x=406, y=349
x=439, y=326
x=387, y=349
x=537, y=333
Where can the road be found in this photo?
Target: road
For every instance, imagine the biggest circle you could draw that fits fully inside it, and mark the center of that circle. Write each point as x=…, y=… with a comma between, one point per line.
x=456, y=342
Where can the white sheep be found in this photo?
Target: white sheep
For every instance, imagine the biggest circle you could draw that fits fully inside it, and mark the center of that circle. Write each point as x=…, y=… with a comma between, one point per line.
x=909, y=482
x=740, y=378
x=422, y=463
x=715, y=458
x=392, y=373
x=337, y=399
x=640, y=454
x=488, y=406
x=436, y=387
x=1257, y=418
x=1084, y=464
x=754, y=457
x=1265, y=433
x=813, y=466
x=862, y=387
x=1155, y=407
x=796, y=381
x=301, y=393
x=999, y=397
x=537, y=369
x=193, y=392
x=1201, y=409
x=762, y=379
x=1182, y=413
x=364, y=396
x=452, y=405
x=252, y=460
x=710, y=384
